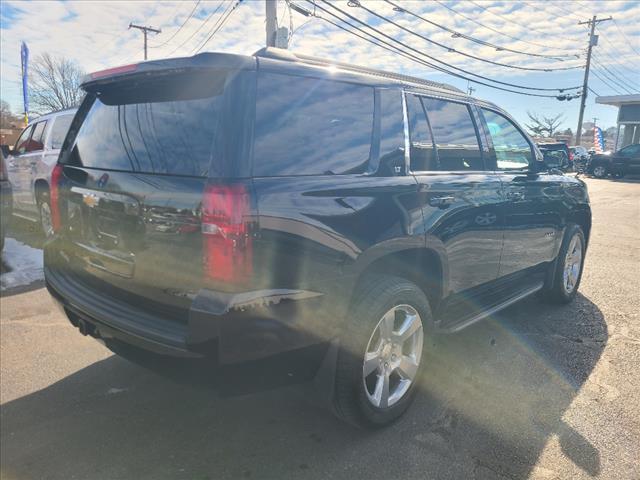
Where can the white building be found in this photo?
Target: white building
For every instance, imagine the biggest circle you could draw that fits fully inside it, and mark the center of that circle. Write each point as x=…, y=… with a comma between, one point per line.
x=628, y=117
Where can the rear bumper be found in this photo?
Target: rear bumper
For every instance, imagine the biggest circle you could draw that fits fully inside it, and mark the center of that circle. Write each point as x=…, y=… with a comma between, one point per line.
x=256, y=335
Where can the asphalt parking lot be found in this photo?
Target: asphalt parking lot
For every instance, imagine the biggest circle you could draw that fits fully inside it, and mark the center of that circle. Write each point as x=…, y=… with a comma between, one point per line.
x=537, y=391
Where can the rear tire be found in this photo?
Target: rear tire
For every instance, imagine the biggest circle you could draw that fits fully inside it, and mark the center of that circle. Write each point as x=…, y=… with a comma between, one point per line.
x=563, y=285
x=44, y=214
x=384, y=336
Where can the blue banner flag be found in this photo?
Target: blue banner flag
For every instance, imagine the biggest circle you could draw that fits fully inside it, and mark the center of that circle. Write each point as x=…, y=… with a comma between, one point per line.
x=24, y=58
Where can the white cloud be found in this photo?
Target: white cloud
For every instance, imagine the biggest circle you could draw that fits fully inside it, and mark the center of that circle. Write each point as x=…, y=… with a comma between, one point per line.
x=95, y=34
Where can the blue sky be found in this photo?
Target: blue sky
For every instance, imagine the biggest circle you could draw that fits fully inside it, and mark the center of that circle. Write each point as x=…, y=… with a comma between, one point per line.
x=95, y=35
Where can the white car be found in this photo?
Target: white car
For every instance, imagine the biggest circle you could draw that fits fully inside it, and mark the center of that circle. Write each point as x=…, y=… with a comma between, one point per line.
x=31, y=162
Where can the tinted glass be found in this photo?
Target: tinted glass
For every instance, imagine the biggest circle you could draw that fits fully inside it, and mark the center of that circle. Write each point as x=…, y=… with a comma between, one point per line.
x=307, y=126
x=23, y=141
x=454, y=134
x=630, y=150
x=59, y=130
x=511, y=147
x=37, y=138
x=422, y=151
x=166, y=126
x=391, y=133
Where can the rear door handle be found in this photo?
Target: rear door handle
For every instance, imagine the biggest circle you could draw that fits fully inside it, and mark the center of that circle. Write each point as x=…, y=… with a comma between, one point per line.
x=515, y=196
x=441, y=202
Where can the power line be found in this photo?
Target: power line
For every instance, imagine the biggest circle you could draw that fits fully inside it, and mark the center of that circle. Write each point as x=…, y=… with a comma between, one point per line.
x=179, y=28
x=568, y=12
x=145, y=31
x=616, y=48
x=594, y=92
x=607, y=83
x=614, y=60
x=356, y=3
x=221, y=22
x=206, y=36
x=621, y=78
x=457, y=34
x=397, y=50
x=428, y=56
x=612, y=78
x=198, y=29
x=500, y=32
x=629, y=42
x=511, y=20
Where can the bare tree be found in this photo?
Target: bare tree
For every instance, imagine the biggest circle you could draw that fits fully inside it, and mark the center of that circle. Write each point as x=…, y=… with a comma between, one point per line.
x=544, y=125
x=7, y=117
x=54, y=84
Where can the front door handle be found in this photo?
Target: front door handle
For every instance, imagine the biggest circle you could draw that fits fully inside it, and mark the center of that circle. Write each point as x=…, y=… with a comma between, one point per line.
x=441, y=202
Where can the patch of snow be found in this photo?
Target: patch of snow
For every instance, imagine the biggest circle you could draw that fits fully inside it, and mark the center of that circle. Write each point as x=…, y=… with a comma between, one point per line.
x=24, y=265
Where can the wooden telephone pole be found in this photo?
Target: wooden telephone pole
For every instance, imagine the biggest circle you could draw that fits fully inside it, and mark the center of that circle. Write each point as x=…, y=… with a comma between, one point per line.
x=145, y=31
x=593, y=41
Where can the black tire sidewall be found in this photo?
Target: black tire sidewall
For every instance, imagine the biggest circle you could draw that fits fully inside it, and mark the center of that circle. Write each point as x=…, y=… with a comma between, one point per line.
x=368, y=308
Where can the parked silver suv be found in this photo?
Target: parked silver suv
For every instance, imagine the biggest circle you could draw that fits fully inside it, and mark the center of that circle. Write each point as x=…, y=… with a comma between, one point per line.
x=30, y=165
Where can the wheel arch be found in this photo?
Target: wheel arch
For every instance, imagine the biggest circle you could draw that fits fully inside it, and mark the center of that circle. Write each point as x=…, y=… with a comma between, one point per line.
x=423, y=266
x=581, y=217
x=40, y=187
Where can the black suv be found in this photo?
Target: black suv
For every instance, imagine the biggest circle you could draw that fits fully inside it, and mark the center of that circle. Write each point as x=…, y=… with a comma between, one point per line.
x=625, y=161
x=308, y=219
x=560, y=156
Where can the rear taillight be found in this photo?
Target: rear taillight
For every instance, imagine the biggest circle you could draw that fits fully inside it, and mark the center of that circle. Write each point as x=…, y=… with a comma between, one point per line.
x=226, y=225
x=571, y=155
x=56, y=178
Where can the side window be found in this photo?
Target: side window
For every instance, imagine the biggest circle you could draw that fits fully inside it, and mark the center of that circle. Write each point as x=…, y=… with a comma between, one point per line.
x=630, y=151
x=511, y=147
x=23, y=141
x=423, y=157
x=391, y=133
x=37, y=139
x=59, y=130
x=454, y=134
x=309, y=126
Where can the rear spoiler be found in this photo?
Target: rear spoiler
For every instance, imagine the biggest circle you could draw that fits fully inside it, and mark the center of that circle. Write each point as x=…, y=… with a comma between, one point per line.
x=168, y=66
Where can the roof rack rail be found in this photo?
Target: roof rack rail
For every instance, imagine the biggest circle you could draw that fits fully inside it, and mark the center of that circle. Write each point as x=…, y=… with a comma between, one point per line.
x=281, y=54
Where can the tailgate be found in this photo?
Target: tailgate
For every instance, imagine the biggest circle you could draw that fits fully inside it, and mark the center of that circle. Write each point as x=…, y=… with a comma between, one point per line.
x=135, y=165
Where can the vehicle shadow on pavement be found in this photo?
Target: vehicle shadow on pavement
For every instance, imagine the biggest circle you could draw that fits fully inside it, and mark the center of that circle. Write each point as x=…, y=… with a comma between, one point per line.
x=490, y=400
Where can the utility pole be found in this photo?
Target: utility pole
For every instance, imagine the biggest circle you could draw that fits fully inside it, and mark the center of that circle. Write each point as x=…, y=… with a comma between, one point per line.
x=145, y=30
x=271, y=12
x=593, y=41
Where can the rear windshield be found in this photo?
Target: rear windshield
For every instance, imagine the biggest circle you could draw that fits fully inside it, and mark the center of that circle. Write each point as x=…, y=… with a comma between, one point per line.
x=163, y=126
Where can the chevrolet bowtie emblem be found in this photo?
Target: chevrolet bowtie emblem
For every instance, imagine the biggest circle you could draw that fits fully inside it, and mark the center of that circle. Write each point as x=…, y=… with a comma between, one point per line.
x=90, y=199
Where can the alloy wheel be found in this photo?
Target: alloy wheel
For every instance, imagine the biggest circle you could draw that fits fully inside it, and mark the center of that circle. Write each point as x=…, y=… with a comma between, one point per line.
x=599, y=171
x=572, y=265
x=392, y=356
x=45, y=219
